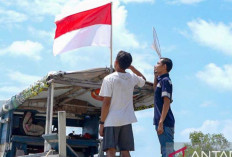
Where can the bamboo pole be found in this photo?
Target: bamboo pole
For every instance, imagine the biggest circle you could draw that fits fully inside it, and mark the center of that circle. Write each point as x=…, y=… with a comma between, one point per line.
x=111, y=40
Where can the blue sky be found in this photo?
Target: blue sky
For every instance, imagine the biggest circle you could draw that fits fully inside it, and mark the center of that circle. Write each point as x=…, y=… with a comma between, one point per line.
x=195, y=34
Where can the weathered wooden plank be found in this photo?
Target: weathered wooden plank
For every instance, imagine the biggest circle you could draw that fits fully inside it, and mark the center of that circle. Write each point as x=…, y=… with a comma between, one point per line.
x=72, y=97
x=85, y=105
x=75, y=82
x=59, y=88
x=36, y=100
x=69, y=108
x=28, y=140
x=73, y=90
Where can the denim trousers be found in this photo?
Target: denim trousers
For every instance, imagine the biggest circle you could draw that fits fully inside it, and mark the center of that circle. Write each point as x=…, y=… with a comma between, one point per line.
x=166, y=140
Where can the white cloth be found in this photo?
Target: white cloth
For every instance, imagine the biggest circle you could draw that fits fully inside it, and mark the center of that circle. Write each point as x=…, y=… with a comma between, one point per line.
x=88, y=28
x=31, y=129
x=120, y=87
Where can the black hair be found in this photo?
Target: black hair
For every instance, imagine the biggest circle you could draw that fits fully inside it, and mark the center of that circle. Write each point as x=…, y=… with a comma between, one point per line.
x=124, y=59
x=168, y=63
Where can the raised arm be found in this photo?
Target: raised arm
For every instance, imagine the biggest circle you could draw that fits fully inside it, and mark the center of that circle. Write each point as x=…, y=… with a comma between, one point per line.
x=138, y=73
x=155, y=80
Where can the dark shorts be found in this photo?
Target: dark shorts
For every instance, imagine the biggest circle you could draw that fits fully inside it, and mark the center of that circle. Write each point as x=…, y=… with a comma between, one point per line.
x=120, y=138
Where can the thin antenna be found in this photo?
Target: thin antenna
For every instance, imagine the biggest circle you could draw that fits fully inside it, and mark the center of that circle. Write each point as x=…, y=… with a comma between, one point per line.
x=156, y=45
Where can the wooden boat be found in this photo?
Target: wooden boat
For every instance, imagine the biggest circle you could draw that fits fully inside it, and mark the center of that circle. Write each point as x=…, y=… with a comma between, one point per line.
x=76, y=93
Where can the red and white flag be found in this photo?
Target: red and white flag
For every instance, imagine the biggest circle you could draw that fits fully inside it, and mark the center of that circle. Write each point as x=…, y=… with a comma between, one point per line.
x=88, y=28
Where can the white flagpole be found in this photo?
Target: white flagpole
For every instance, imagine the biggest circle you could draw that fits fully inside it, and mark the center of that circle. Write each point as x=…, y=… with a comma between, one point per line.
x=111, y=40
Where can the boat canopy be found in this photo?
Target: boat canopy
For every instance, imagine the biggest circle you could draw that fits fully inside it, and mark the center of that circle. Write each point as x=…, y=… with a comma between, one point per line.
x=74, y=92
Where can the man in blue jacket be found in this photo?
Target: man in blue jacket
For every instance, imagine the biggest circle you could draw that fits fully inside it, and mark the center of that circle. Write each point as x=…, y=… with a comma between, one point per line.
x=164, y=119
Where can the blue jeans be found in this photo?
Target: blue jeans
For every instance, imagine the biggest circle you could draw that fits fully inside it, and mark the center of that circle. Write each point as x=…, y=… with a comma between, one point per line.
x=166, y=140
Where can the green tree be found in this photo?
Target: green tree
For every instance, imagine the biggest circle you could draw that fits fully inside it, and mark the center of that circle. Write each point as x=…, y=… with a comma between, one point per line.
x=205, y=142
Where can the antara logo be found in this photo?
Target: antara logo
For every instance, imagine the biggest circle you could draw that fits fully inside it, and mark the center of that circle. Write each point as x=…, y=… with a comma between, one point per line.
x=178, y=151
x=216, y=154
x=203, y=154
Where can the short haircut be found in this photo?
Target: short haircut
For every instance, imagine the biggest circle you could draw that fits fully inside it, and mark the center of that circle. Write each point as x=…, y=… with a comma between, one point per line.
x=168, y=63
x=124, y=59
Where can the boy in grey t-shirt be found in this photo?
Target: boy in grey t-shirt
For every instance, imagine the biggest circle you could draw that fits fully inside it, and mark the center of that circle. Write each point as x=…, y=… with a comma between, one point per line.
x=117, y=112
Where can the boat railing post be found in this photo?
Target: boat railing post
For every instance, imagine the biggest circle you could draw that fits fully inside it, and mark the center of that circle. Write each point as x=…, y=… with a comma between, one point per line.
x=62, y=132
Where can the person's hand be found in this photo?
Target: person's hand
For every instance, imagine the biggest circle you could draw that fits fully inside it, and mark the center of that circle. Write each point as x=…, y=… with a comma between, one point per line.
x=160, y=129
x=101, y=130
x=155, y=73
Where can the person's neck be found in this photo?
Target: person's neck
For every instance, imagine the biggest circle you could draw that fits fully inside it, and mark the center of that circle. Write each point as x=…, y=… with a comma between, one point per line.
x=121, y=71
x=162, y=73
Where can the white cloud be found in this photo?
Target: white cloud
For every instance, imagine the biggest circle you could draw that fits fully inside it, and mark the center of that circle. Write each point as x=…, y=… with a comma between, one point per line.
x=23, y=78
x=142, y=61
x=122, y=36
x=45, y=35
x=26, y=48
x=38, y=7
x=208, y=126
x=75, y=59
x=207, y=104
x=7, y=3
x=190, y=1
x=182, y=112
x=138, y=128
x=217, y=77
x=138, y=1
x=2, y=101
x=214, y=35
x=149, y=113
x=10, y=16
x=19, y=82
x=184, y=1
x=10, y=89
x=167, y=49
x=227, y=130
x=51, y=7
x=212, y=127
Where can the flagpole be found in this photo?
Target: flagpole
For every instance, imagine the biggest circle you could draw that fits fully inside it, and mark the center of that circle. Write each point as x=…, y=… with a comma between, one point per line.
x=111, y=40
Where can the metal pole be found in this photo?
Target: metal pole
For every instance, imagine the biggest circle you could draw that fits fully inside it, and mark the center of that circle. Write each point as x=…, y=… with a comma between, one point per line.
x=111, y=40
x=49, y=115
x=62, y=132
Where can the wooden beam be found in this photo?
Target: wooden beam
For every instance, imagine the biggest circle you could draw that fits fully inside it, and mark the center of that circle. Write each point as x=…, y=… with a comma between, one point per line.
x=58, y=88
x=72, y=97
x=69, y=109
x=57, y=99
x=67, y=93
x=36, y=100
x=76, y=82
x=82, y=106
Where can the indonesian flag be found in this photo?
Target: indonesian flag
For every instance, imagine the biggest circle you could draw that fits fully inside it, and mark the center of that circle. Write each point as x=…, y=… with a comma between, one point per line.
x=88, y=28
